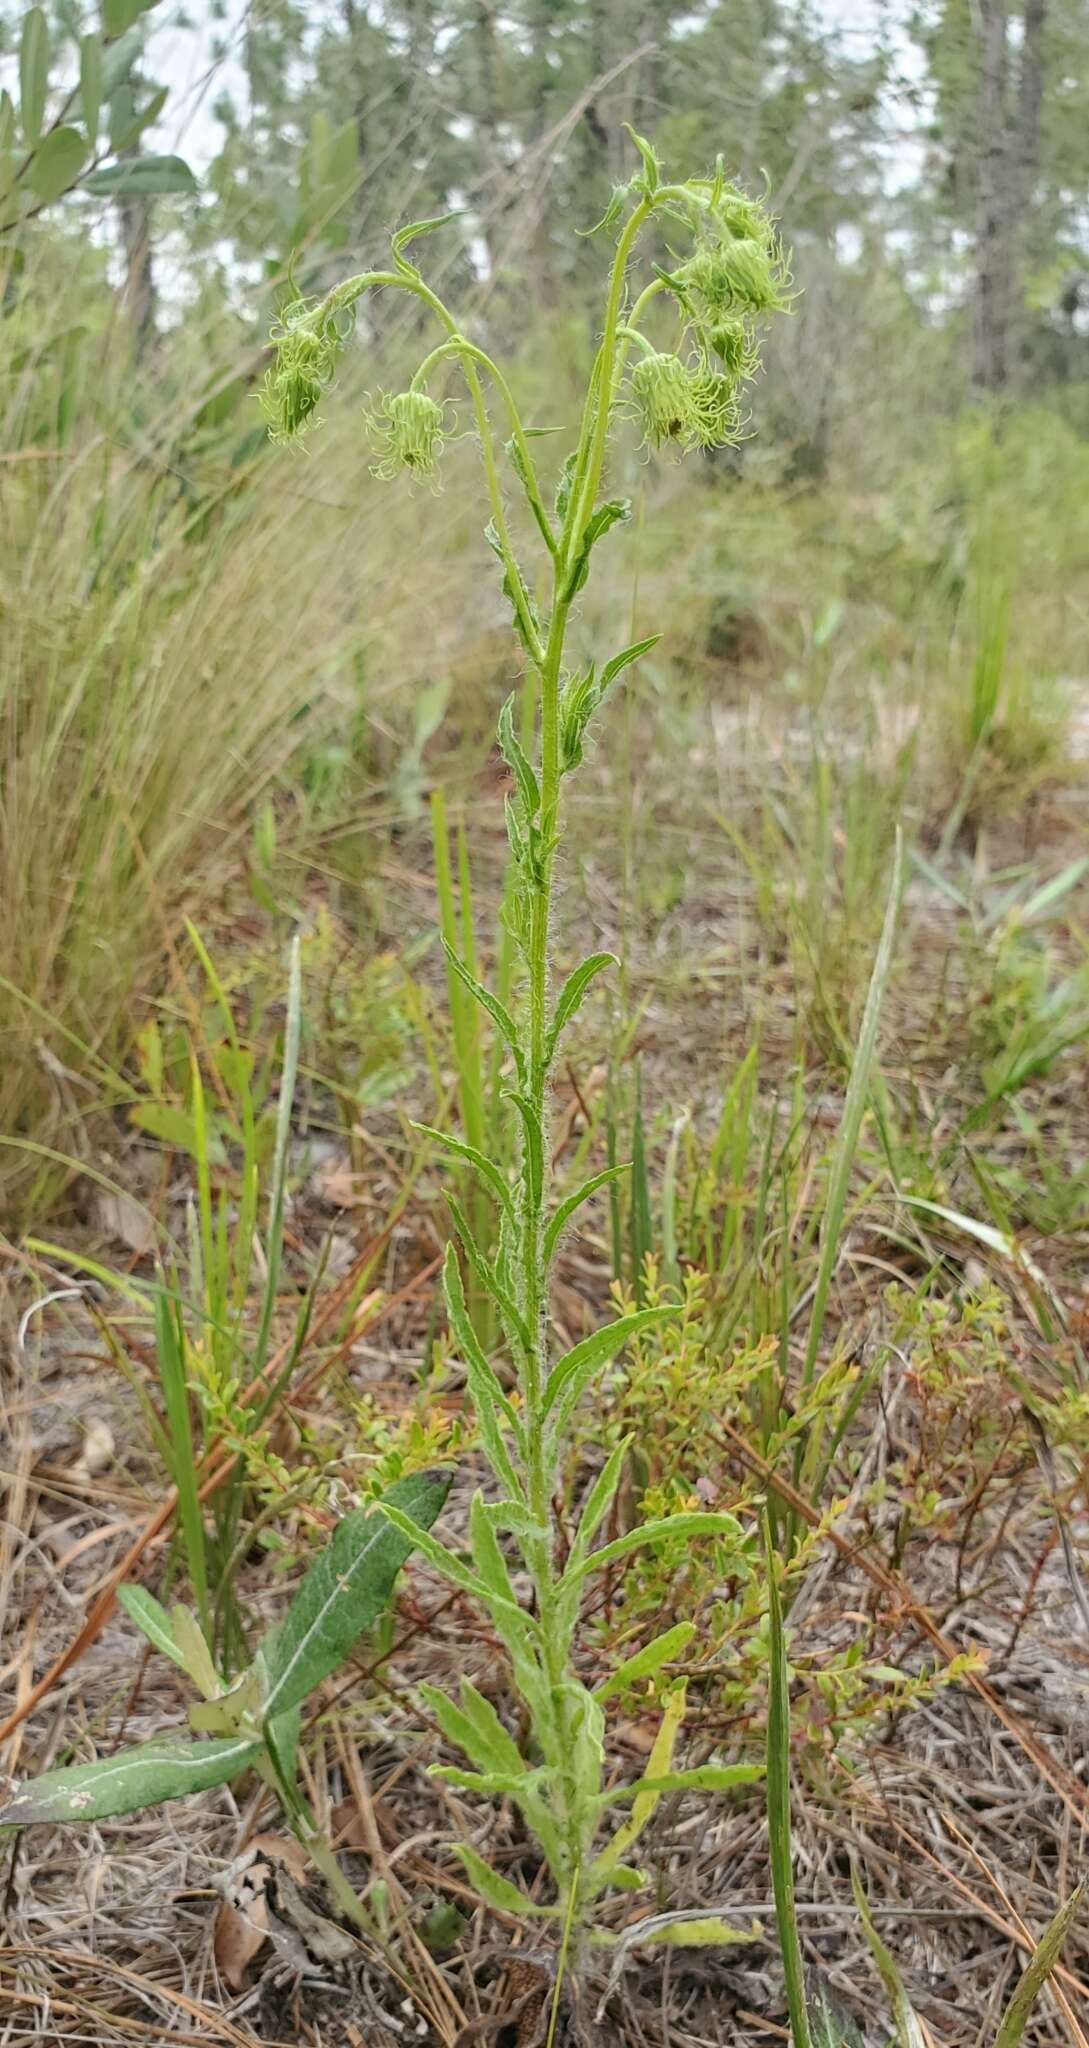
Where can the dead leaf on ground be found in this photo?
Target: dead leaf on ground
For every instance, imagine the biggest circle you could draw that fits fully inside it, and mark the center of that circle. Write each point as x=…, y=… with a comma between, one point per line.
x=120, y=1217
x=242, y=1922
x=96, y=1451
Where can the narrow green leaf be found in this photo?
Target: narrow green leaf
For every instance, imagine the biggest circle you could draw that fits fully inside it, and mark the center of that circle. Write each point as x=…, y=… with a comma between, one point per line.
x=476, y=1728
x=701, y=1778
x=513, y=1320
x=486, y=1168
x=778, y=1798
x=458, y=1312
x=1037, y=1971
x=648, y=1792
x=282, y=1739
x=854, y=1108
x=148, y=177
x=701, y=1522
x=488, y=1396
x=278, y=1197
x=489, y=1560
x=514, y=754
x=193, y=1646
x=576, y=1366
x=613, y=513
x=627, y=655
x=497, y=1011
x=908, y=2031
x=600, y=1497
x=119, y=58
x=498, y=1891
x=127, y=122
x=171, y=1126
x=534, y=1150
x=573, y=991
x=400, y=241
x=652, y=169
x=703, y=1930
x=154, y=1621
x=648, y=1661
x=570, y=1203
x=346, y=1588
x=125, y=1783
x=171, y=1360
x=445, y=1561
x=56, y=163
x=33, y=74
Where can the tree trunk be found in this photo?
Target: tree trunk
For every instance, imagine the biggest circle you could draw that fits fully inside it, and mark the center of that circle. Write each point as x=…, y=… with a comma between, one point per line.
x=993, y=266
x=1029, y=103
x=134, y=215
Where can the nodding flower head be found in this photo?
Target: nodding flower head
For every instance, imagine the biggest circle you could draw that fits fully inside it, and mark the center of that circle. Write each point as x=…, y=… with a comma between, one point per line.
x=692, y=405
x=715, y=412
x=303, y=370
x=733, y=343
x=409, y=431
x=736, y=275
x=661, y=388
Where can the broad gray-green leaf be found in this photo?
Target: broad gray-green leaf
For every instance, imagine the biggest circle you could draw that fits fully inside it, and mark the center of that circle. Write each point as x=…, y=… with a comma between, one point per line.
x=56, y=163
x=91, y=84
x=143, y=176
x=119, y=15
x=345, y=1590
x=118, y=60
x=33, y=74
x=830, y=2025
x=143, y=1608
x=126, y=1783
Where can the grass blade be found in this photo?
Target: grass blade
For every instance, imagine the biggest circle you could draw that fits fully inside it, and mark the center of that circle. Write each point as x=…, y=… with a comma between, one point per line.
x=778, y=1800
x=851, y=1123
x=1037, y=1971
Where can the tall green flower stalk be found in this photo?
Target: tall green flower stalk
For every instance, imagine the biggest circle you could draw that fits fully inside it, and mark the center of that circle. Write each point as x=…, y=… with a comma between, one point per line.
x=732, y=273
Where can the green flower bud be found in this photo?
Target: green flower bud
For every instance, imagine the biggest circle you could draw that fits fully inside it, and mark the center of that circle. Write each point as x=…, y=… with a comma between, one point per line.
x=409, y=432
x=661, y=388
x=292, y=390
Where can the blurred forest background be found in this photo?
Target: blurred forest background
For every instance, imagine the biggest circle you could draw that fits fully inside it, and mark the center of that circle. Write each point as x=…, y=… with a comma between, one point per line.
x=219, y=663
